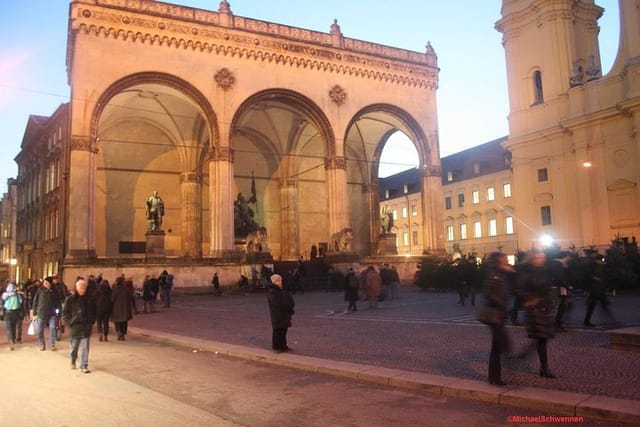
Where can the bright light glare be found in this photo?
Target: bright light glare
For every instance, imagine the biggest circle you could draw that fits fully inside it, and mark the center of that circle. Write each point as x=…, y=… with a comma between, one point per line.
x=546, y=240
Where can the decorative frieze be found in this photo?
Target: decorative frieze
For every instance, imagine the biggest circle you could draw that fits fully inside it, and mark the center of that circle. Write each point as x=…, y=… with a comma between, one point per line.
x=82, y=143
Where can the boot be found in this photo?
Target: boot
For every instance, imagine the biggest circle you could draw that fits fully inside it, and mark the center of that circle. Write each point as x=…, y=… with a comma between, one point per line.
x=105, y=339
x=100, y=339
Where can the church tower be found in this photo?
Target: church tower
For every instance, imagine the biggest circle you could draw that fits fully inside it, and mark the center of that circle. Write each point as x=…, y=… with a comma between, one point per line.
x=571, y=129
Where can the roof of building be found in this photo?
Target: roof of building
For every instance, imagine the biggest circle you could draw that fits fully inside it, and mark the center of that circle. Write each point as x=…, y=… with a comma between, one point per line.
x=480, y=160
x=395, y=184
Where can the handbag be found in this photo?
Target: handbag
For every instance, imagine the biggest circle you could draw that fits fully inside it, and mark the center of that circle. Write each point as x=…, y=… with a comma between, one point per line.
x=489, y=315
x=32, y=328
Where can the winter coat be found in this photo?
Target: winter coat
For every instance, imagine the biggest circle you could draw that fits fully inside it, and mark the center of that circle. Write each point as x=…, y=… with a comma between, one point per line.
x=496, y=288
x=535, y=285
x=281, y=307
x=46, y=302
x=351, y=287
x=104, y=305
x=122, y=298
x=374, y=283
x=79, y=314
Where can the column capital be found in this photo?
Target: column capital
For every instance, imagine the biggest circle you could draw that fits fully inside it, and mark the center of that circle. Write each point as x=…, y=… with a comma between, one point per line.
x=335, y=162
x=188, y=177
x=83, y=143
x=221, y=154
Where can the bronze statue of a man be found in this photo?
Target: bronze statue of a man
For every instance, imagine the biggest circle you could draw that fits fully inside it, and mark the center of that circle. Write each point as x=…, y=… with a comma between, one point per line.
x=154, y=211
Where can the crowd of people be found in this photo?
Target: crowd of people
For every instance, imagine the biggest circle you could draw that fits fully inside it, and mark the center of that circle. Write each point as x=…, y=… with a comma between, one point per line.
x=541, y=289
x=48, y=303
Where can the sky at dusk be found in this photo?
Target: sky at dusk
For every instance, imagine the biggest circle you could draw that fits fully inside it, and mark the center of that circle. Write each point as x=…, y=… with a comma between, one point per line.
x=472, y=93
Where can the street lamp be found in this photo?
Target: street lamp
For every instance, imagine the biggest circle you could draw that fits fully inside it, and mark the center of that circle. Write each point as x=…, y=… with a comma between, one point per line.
x=546, y=240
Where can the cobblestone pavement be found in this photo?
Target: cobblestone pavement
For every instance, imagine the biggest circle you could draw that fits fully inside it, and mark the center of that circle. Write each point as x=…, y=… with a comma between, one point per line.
x=422, y=331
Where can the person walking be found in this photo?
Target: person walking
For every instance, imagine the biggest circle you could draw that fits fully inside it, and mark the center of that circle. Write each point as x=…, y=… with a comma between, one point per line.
x=46, y=306
x=560, y=279
x=166, y=284
x=281, y=309
x=147, y=295
x=395, y=283
x=103, y=309
x=352, y=287
x=374, y=286
x=79, y=314
x=121, y=298
x=215, y=282
x=597, y=289
x=12, y=302
x=538, y=304
x=496, y=288
x=22, y=313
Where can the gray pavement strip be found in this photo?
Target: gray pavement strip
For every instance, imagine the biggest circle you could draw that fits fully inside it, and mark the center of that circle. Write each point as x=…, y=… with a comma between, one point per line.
x=559, y=402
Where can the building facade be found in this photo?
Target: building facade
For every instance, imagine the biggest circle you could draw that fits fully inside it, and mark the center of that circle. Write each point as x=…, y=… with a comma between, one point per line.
x=203, y=107
x=8, y=226
x=478, y=203
x=573, y=132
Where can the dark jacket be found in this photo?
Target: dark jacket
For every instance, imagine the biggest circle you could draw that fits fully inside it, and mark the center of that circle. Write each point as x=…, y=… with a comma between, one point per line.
x=79, y=314
x=496, y=288
x=122, y=298
x=46, y=302
x=104, y=305
x=535, y=285
x=352, y=285
x=281, y=306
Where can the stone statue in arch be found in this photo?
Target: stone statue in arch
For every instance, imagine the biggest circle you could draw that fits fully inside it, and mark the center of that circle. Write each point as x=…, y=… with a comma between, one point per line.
x=154, y=211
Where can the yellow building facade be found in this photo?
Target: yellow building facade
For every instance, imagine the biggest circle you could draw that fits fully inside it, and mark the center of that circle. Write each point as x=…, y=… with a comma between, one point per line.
x=573, y=132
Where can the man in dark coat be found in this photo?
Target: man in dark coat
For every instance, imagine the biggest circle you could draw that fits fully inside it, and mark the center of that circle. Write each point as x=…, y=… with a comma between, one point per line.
x=46, y=306
x=122, y=298
x=281, y=306
x=79, y=314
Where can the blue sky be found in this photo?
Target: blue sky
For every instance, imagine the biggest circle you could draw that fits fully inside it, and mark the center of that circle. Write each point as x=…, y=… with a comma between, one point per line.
x=472, y=96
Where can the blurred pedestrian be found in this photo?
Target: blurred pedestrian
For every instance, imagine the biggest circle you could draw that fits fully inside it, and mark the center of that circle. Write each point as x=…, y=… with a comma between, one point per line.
x=46, y=306
x=535, y=285
x=166, y=285
x=281, y=309
x=374, y=286
x=496, y=288
x=103, y=309
x=122, y=307
x=12, y=302
x=597, y=289
x=351, y=290
x=215, y=281
x=560, y=280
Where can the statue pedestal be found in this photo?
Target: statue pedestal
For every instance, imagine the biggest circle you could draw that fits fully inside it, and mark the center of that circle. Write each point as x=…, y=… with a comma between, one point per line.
x=155, y=244
x=387, y=244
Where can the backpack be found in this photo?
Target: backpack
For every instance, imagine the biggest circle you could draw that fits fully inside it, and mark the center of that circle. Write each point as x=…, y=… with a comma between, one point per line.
x=12, y=303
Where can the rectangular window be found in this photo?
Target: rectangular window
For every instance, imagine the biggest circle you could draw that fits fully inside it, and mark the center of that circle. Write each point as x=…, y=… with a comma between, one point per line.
x=508, y=225
x=545, y=215
x=477, y=229
x=414, y=210
x=449, y=176
x=395, y=214
x=493, y=227
x=461, y=200
x=415, y=238
x=386, y=194
x=506, y=190
x=543, y=175
x=491, y=194
x=476, y=168
x=447, y=202
x=405, y=188
x=475, y=196
x=405, y=213
x=449, y=233
x=463, y=231
x=405, y=239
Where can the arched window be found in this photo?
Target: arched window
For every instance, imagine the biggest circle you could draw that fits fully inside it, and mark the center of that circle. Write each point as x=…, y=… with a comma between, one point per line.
x=537, y=88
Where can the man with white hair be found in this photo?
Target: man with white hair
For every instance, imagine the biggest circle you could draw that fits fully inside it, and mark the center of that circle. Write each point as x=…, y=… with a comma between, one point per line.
x=281, y=305
x=79, y=314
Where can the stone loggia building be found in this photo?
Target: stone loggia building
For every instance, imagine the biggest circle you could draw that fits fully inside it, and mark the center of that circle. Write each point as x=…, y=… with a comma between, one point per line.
x=203, y=105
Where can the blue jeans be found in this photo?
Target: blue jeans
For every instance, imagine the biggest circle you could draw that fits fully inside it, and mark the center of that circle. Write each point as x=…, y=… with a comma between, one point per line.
x=51, y=320
x=83, y=343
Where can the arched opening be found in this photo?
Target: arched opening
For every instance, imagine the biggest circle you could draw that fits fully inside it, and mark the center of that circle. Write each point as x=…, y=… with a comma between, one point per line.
x=398, y=155
x=153, y=133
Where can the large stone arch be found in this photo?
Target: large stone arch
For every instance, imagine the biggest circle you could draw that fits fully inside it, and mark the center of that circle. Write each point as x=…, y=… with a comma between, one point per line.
x=365, y=137
x=153, y=131
x=281, y=141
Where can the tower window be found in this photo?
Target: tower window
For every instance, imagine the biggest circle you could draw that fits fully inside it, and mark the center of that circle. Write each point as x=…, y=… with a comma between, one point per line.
x=537, y=88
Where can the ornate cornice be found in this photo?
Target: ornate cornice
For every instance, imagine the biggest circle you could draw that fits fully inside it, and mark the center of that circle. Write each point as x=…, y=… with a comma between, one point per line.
x=82, y=143
x=160, y=24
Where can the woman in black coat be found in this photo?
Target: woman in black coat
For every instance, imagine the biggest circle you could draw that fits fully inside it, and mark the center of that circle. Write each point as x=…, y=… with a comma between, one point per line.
x=281, y=309
x=535, y=285
x=496, y=288
x=103, y=309
x=122, y=298
x=352, y=286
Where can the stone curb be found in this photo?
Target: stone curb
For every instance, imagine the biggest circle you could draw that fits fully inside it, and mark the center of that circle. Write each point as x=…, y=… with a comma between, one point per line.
x=557, y=402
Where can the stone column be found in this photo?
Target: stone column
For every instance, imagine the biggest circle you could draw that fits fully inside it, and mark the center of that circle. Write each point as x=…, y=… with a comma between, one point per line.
x=336, y=168
x=81, y=193
x=221, y=201
x=289, y=240
x=432, y=208
x=190, y=214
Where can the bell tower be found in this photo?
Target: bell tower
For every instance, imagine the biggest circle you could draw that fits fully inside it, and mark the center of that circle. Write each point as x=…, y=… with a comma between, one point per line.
x=550, y=46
